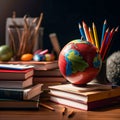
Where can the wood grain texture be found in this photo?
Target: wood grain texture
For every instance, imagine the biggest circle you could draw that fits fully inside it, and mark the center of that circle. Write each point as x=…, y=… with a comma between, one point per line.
x=109, y=113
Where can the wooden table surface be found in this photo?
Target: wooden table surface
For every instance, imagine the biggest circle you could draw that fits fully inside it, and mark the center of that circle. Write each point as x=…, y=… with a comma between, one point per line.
x=109, y=113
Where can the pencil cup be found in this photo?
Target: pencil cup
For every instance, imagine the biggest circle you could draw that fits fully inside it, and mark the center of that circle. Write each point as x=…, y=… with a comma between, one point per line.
x=28, y=49
x=101, y=77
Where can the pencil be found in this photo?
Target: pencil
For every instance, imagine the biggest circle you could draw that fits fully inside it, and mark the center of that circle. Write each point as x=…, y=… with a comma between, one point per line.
x=91, y=36
x=103, y=30
x=108, y=43
x=64, y=111
x=82, y=31
x=86, y=31
x=95, y=35
x=71, y=114
x=103, y=42
x=47, y=106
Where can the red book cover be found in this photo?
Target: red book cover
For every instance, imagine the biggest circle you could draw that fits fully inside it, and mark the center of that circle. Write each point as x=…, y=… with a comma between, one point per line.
x=8, y=74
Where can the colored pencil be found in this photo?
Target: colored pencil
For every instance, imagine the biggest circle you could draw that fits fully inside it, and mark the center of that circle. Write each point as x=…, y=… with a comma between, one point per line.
x=91, y=36
x=82, y=32
x=103, y=30
x=47, y=106
x=95, y=35
x=85, y=27
x=103, y=42
x=108, y=43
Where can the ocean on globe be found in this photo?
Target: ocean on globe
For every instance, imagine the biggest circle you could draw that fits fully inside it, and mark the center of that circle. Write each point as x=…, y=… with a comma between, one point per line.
x=79, y=62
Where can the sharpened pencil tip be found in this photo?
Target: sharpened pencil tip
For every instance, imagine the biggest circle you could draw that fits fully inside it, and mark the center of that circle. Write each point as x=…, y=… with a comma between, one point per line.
x=105, y=21
x=116, y=30
x=79, y=25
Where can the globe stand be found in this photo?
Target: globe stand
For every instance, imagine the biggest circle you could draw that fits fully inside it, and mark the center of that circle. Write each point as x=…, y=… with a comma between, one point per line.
x=81, y=85
x=91, y=86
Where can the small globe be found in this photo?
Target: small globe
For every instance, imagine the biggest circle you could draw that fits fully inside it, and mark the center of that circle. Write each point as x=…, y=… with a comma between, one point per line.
x=79, y=62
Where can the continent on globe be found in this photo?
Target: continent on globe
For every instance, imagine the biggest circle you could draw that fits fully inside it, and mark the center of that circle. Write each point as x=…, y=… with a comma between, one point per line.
x=79, y=62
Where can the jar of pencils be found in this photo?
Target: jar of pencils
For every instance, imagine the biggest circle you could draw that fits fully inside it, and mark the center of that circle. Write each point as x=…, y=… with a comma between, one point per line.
x=101, y=77
x=24, y=35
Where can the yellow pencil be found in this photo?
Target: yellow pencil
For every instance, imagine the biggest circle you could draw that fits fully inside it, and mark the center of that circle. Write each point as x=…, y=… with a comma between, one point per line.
x=95, y=35
x=91, y=36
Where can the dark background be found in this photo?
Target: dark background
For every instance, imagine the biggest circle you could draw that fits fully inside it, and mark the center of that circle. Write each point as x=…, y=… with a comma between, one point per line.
x=63, y=16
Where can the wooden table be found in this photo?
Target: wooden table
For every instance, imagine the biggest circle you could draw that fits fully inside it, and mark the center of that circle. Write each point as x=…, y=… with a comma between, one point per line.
x=109, y=113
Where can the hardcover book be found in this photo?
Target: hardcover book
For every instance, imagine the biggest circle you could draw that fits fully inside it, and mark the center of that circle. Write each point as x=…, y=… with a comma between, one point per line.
x=16, y=83
x=9, y=104
x=8, y=74
x=85, y=106
x=15, y=66
x=47, y=73
x=21, y=94
x=86, y=98
x=42, y=65
x=49, y=80
x=74, y=92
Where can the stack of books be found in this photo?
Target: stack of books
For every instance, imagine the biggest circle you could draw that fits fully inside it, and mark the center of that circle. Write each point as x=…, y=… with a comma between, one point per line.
x=48, y=77
x=16, y=87
x=90, y=97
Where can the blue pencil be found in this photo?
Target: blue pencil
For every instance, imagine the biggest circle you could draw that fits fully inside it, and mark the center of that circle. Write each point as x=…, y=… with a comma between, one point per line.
x=103, y=31
x=82, y=32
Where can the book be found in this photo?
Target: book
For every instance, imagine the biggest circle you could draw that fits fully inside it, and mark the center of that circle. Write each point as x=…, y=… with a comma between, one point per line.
x=9, y=104
x=21, y=94
x=38, y=65
x=16, y=83
x=85, y=106
x=48, y=80
x=8, y=74
x=73, y=92
x=15, y=66
x=47, y=73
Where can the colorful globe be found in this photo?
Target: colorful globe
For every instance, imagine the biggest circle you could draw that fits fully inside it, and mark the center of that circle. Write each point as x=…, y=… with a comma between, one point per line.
x=79, y=62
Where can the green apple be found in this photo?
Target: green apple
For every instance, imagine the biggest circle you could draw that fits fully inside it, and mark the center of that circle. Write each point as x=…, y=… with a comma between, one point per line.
x=6, y=53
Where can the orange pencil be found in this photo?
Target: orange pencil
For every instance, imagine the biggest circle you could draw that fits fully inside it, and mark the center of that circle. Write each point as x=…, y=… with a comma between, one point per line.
x=91, y=36
x=85, y=27
x=103, y=42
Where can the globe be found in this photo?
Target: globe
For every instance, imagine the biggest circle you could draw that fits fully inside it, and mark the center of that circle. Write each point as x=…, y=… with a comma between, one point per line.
x=79, y=62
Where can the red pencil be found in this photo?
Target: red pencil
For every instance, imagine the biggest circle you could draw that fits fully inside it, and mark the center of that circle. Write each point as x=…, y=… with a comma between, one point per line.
x=103, y=42
x=108, y=43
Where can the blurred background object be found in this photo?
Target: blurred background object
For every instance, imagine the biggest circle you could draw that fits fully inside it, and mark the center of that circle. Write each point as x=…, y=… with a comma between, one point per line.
x=113, y=68
x=63, y=16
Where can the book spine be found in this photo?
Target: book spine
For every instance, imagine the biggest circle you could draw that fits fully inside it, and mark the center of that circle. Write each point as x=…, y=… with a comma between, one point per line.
x=11, y=94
